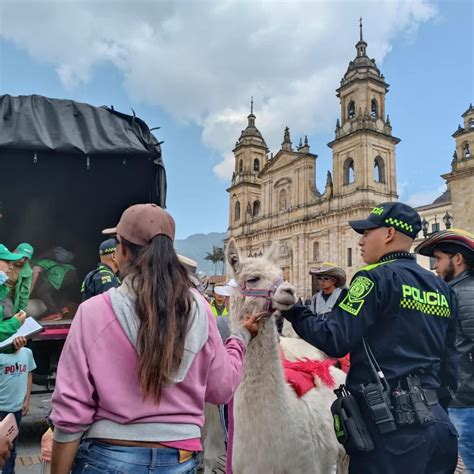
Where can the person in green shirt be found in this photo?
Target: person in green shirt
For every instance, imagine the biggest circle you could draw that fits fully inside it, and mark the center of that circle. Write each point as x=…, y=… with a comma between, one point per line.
x=10, y=326
x=20, y=277
x=54, y=280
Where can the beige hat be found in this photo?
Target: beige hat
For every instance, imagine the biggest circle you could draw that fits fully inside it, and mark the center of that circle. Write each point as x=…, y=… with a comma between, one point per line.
x=329, y=269
x=140, y=223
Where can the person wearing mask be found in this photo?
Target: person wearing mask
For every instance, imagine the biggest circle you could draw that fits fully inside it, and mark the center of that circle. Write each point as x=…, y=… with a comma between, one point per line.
x=10, y=326
x=141, y=360
x=398, y=321
x=104, y=276
x=331, y=281
x=20, y=278
x=453, y=253
x=7, y=329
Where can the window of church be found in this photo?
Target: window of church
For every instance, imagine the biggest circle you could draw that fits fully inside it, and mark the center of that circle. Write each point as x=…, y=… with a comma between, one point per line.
x=471, y=123
x=351, y=110
x=237, y=211
x=315, y=251
x=256, y=165
x=349, y=173
x=283, y=202
x=256, y=208
x=374, y=108
x=349, y=257
x=241, y=166
x=467, y=151
x=379, y=170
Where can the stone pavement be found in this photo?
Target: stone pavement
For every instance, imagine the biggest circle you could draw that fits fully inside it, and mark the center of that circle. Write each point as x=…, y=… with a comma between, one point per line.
x=32, y=428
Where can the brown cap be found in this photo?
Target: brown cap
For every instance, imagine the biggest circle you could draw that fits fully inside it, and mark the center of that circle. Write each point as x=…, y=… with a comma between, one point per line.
x=140, y=223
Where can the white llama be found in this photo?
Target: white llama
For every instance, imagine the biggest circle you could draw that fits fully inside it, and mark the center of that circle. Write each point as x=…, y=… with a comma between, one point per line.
x=276, y=432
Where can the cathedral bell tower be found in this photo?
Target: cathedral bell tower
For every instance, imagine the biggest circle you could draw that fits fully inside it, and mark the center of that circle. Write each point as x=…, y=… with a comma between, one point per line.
x=250, y=154
x=461, y=178
x=364, y=147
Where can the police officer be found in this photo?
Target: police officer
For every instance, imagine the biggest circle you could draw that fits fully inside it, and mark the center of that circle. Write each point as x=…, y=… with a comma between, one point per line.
x=104, y=276
x=406, y=315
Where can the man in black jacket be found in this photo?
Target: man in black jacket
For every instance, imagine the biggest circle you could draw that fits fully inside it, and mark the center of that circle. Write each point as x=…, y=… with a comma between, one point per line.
x=407, y=316
x=453, y=251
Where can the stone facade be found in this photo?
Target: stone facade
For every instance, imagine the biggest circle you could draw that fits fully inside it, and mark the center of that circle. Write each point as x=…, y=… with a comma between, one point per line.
x=275, y=198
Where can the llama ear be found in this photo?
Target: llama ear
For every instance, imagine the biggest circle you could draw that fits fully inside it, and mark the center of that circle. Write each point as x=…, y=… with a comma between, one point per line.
x=233, y=256
x=273, y=252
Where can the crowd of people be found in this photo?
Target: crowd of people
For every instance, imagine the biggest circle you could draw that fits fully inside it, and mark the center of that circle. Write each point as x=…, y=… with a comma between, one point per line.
x=146, y=350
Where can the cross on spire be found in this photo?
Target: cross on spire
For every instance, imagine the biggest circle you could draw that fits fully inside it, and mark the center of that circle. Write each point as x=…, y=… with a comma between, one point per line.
x=251, y=105
x=360, y=27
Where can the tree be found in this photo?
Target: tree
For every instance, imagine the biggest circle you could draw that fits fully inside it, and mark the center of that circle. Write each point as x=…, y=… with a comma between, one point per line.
x=216, y=256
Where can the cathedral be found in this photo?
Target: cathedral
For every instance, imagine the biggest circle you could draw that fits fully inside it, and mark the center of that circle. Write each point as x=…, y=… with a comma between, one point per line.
x=275, y=198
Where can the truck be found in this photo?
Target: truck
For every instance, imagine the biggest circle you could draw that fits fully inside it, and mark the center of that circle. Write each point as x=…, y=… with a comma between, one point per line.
x=68, y=170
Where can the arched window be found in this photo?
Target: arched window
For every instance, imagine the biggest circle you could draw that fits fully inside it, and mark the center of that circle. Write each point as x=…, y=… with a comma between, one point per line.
x=379, y=170
x=315, y=251
x=283, y=203
x=374, y=108
x=466, y=151
x=351, y=110
x=349, y=173
x=256, y=208
x=256, y=165
x=241, y=166
x=237, y=211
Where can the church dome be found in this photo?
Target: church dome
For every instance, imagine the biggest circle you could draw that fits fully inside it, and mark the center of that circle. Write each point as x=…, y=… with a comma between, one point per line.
x=251, y=135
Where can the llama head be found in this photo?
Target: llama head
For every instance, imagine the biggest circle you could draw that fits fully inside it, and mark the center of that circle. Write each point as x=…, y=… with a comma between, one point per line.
x=258, y=273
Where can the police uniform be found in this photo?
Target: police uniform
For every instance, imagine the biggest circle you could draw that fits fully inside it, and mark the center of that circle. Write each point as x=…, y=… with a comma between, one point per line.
x=407, y=316
x=103, y=277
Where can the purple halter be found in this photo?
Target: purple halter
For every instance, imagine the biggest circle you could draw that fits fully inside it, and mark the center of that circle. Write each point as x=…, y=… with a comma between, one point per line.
x=262, y=293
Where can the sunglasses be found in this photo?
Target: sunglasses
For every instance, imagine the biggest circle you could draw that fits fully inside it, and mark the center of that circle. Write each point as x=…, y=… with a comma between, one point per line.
x=325, y=278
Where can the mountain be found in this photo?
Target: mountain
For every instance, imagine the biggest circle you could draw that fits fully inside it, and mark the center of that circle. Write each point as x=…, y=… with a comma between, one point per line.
x=197, y=246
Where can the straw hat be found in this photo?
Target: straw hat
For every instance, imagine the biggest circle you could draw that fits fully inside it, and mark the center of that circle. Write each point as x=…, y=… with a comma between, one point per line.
x=329, y=269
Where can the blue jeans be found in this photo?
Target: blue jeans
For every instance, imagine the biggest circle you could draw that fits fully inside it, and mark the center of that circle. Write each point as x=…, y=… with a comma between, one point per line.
x=463, y=420
x=95, y=457
x=10, y=464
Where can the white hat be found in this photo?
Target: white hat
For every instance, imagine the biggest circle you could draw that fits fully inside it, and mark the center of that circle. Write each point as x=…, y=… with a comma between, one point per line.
x=227, y=289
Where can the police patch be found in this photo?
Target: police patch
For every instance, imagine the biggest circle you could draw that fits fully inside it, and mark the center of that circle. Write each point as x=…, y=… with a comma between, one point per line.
x=356, y=295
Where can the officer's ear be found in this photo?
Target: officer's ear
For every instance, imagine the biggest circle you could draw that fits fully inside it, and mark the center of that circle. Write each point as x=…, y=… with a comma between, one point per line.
x=390, y=235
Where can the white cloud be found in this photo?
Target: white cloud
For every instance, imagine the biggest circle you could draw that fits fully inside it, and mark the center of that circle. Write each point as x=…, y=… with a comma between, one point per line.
x=424, y=197
x=201, y=61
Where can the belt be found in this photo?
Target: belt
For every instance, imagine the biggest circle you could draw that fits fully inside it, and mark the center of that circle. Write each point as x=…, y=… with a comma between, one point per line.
x=183, y=454
x=431, y=396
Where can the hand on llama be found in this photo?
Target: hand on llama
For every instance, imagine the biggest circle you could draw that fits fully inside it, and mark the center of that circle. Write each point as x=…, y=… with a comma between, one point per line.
x=251, y=323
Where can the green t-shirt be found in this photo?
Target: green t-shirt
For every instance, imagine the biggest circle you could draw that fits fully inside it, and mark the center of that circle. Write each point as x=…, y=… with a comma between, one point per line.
x=53, y=271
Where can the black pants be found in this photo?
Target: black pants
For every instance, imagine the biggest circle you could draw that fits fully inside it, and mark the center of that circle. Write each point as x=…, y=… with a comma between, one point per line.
x=429, y=450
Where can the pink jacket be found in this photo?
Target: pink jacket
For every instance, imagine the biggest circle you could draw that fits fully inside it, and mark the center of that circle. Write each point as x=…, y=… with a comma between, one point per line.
x=98, y=392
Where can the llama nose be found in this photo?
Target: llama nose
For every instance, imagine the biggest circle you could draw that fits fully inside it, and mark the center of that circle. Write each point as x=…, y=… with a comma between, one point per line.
x=288, y=290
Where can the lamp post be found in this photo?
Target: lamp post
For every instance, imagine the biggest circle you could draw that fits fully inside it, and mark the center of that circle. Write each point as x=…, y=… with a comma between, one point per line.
x=424, y=227
x=448, y=220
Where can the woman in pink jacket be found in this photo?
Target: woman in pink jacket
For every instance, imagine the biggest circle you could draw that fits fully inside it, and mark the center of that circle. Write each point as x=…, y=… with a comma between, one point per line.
x=140, y=361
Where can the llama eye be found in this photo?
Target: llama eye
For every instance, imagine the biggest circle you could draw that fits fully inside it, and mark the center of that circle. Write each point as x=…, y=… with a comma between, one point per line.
x=253, y=280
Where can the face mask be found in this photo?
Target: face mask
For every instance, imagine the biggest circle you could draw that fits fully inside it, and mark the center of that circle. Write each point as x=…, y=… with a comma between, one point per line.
x=3, y=277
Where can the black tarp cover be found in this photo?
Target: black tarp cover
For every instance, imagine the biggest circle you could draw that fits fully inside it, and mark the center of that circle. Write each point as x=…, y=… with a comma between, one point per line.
x=40, y=123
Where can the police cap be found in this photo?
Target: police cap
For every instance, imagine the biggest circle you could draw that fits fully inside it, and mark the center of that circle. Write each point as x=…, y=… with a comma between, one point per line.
x=107, y=246
x=401, y=217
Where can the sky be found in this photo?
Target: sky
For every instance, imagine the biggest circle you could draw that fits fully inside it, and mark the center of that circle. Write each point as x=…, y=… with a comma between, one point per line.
x=191, y=66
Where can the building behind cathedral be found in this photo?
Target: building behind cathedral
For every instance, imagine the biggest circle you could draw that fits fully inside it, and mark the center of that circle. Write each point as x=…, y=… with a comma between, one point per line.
x=275, y=198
